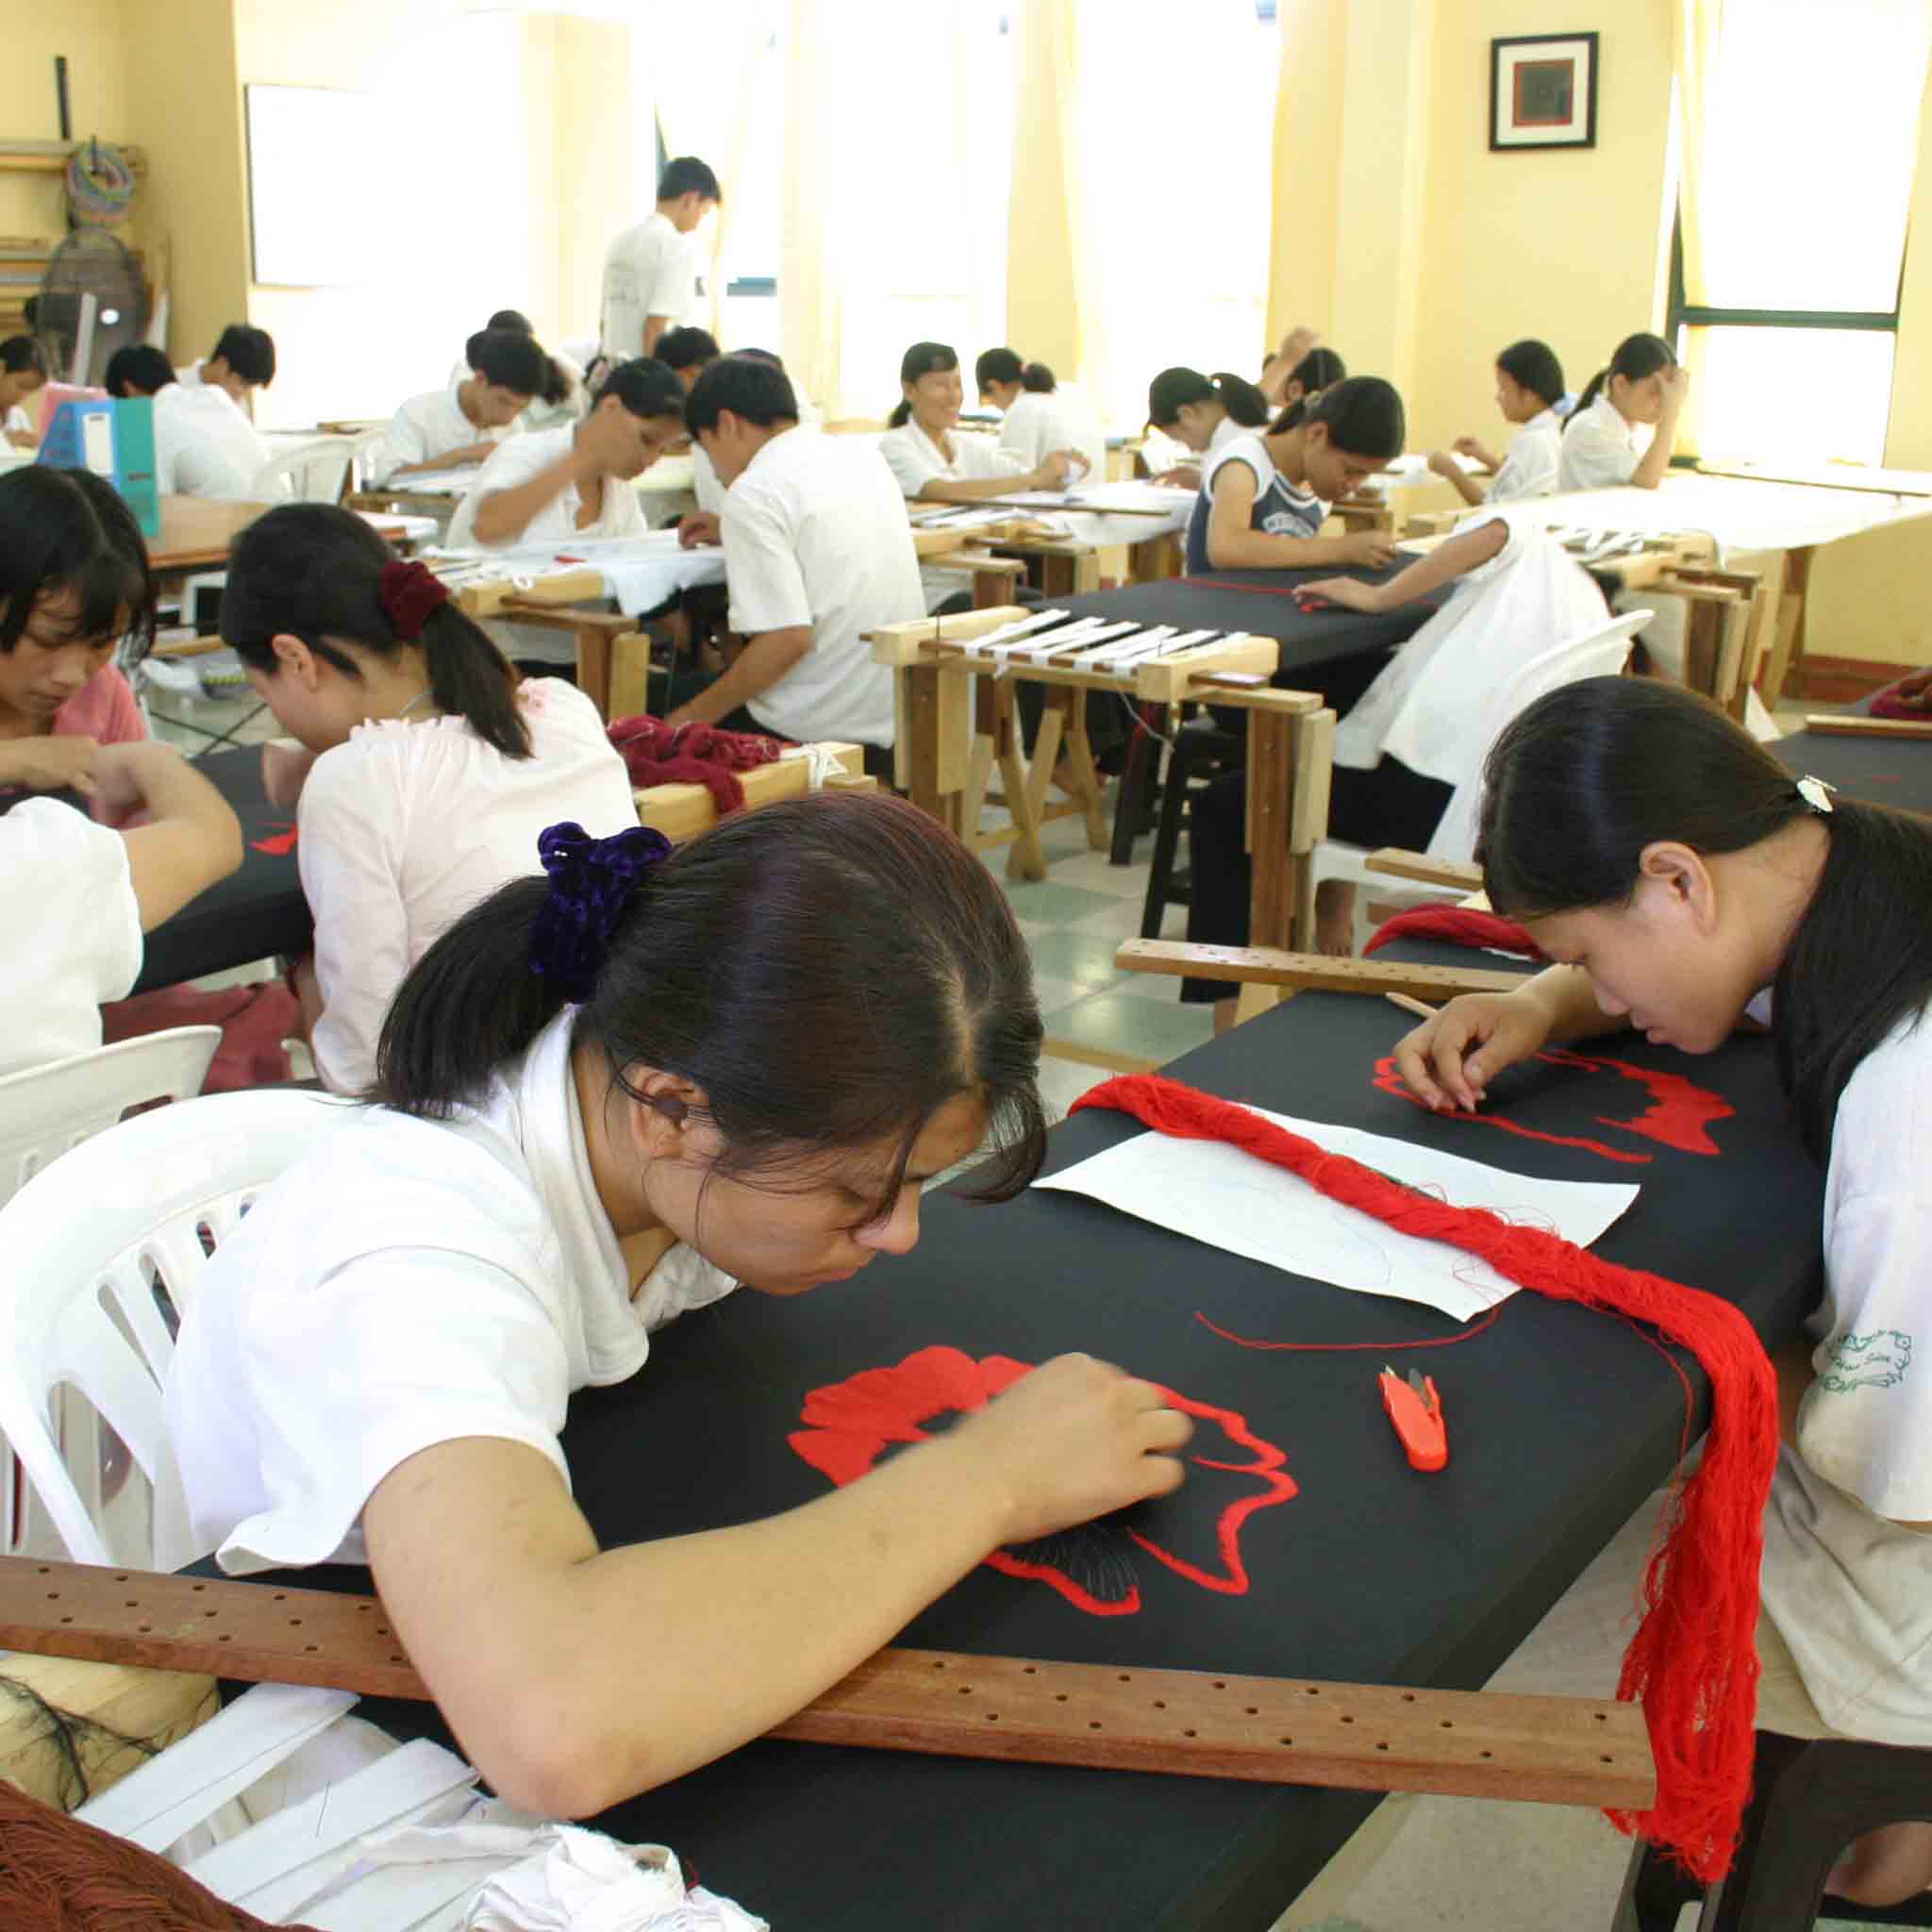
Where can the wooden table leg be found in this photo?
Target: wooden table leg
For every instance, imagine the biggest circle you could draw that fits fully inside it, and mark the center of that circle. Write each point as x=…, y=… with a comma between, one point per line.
x=1788, y=650
x=1025, y=794
x=929, y=708
x=1087, y=784
x=593, y=666
x=1137, y=781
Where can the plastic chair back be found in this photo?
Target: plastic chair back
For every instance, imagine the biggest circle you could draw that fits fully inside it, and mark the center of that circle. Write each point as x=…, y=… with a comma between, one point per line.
x=45, y=1111
x=313, y=472
x=100, y=1253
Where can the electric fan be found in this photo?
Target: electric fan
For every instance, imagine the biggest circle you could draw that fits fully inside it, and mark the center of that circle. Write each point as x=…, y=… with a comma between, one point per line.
x=89, y=264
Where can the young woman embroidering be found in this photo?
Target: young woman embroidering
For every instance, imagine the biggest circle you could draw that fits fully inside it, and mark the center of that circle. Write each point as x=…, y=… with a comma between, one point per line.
x=607, y=1096
x=1681, y=880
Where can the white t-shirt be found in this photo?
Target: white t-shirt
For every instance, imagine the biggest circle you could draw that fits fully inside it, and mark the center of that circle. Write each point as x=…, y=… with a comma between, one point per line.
x=1850, y=1591
x=428, y=426
x=73, y=931
x=518, y=459
x=1534, y=459
x=815, y=533
x=1434, y=705
x=205, y=447
x=1600, y=449
x=384, y=878
x=18, y=422
x=1037, y=424
x=649, y=270
x=405, y=1283
x=915, y=461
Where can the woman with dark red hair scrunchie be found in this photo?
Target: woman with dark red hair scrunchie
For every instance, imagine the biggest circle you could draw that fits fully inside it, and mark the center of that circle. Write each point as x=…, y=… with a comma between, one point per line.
x=424, y=771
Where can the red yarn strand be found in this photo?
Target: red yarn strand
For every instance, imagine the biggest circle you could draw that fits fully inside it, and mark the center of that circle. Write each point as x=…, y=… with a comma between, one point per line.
x=1469, y=1334
x=1693, y=1661
x=1455, y=926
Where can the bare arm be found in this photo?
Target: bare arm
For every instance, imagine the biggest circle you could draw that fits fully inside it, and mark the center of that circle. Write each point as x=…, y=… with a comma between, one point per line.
x=1444, y=465
x=1445, y=562
x=1281, y=365
x=1051, y=473
x=504, y=515
x=479, y=452
x=655, y=326
x=192, y=838
x=1650, y=470
x=758, y=667
x=1232, y=544
x=575, y=1677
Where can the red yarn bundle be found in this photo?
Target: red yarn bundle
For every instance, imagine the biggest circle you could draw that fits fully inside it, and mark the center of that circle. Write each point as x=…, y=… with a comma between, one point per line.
x=1456, y=925
x=58, y=1875
x=655, y=753
x=1693, y=1661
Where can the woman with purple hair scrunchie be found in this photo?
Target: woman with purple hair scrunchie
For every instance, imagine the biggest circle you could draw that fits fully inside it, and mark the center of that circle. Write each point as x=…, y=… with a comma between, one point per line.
x=607, y=1096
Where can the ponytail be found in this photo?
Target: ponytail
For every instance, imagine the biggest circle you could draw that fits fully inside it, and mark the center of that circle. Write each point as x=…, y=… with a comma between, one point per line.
x=1242, y=401
x=470, y=679
x=900, y=416
x=316, y=572
x=784, y=912
x=1637, y=356
x=1037, y=380
x=1582, y=781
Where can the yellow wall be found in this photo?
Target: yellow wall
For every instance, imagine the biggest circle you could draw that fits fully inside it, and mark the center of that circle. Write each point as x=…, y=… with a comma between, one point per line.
x=192, y=206
x=89, y=33
x=1561, y=244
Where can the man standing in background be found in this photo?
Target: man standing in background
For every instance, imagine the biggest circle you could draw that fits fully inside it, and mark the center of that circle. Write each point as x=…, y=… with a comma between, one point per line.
x=650, y=273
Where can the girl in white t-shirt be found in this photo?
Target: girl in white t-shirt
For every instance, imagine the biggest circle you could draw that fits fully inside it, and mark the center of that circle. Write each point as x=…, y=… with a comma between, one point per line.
x=1644, y=387
x=604, y=1099
x=1680, y=878
x=931, y=460
x=1038, y=415
x=431, y=770
x=1202, y=412
x=1529, y=392
x=22, y=372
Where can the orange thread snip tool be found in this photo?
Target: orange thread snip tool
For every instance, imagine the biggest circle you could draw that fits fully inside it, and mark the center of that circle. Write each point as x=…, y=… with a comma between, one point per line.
x=1416, y=1410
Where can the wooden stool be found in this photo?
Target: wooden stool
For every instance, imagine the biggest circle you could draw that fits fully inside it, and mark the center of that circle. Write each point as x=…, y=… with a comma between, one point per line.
x=1810, y=1799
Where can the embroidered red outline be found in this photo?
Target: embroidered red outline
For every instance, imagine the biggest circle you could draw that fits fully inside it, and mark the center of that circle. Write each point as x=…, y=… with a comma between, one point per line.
x=852, y=1423
x=1680, y=1113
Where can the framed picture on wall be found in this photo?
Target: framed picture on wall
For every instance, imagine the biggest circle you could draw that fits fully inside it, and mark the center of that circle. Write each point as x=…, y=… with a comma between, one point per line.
x=1543, y=92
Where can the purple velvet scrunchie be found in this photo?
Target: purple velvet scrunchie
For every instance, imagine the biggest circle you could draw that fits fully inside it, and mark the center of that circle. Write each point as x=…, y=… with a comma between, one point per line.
x=590, y=881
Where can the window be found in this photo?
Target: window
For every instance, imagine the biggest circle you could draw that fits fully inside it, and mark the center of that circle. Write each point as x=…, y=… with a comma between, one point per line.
x=1809, y=144
x=1181, y=211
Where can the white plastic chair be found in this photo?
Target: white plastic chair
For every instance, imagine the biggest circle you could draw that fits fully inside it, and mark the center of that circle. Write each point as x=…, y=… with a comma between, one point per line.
x=1595, y=654
x=99, y=1252
x=45, y=1111
x=362, y=449
x=313, y=472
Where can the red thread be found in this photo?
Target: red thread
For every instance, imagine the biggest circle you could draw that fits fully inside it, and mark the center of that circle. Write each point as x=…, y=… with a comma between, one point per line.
x=1455, y=925
x=1469, y=1334
x=1693, y=1661
x=655, y=753
x=1680, y=1113
x=277, y=843
x=852, y=1421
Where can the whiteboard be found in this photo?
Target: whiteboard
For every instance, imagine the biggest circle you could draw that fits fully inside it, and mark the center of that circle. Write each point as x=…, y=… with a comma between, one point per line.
x=314, y=186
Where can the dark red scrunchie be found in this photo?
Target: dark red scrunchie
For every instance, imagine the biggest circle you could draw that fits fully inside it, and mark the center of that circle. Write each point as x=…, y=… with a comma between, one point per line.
x=408, y=592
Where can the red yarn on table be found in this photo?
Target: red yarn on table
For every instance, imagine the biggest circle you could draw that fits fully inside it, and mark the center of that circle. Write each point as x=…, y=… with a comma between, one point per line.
x=655, y=753
x=1455, y=925
x=1693, y=1661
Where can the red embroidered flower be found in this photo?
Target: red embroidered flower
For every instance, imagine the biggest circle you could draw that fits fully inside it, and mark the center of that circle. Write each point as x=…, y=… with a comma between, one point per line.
x=1679, y=1115
x=854, y=1423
